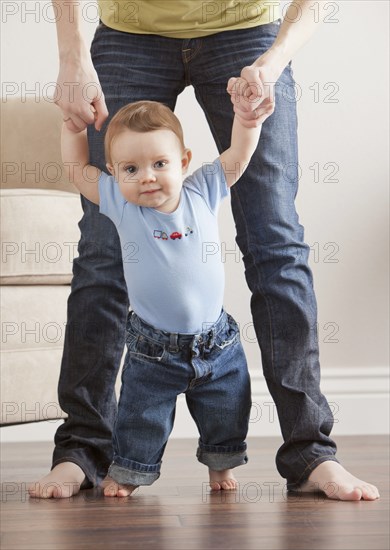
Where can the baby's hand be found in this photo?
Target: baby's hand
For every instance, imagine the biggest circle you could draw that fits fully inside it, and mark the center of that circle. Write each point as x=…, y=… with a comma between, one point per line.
x=251, y=103
x=94, y=112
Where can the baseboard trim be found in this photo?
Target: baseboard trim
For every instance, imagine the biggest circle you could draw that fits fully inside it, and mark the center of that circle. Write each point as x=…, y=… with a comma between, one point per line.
x=358, y=397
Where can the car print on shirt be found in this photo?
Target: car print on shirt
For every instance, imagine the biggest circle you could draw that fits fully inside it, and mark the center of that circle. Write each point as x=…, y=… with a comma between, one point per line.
x=176, y=235
x=160, y=234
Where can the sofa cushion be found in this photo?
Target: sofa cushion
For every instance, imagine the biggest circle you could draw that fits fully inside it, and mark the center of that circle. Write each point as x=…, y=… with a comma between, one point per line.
x=33, y=320
x=39, y=236
x=31, y=145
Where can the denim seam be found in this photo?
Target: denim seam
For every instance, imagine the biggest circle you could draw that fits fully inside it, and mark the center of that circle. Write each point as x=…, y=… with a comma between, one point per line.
x=137, y=477
x=237, y=452
x=148, y=358
x=187, y=61
x=135, y=466
x=260, y=287
x=139, y=333
x=217, y=449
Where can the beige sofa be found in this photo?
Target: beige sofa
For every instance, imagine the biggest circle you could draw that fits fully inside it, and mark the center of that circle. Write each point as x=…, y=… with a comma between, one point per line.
x=40, y=211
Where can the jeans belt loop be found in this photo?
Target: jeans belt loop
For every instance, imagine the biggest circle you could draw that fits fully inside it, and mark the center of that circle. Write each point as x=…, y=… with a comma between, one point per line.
x=210, y=339
x=173, y=342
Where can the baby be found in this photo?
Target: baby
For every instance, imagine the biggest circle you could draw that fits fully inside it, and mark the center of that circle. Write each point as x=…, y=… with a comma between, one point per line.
x=179, y=338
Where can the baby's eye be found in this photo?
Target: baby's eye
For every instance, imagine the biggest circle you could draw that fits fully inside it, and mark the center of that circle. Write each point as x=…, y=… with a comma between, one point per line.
x=160, y=163
x=130, y=169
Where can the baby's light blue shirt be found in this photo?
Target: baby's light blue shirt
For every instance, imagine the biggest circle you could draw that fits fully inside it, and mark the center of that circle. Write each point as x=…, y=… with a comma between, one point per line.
x=172, y=262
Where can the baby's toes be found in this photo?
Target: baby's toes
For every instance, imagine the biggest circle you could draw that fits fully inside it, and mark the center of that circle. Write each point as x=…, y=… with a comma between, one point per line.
x=229, y=484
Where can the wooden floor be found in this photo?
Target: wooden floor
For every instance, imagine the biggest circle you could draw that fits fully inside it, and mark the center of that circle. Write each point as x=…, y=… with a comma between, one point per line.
x=179, y=513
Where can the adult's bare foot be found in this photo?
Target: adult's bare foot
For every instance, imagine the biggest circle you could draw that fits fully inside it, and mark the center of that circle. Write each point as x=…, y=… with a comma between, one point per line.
x=63, y=481
x=337, y=483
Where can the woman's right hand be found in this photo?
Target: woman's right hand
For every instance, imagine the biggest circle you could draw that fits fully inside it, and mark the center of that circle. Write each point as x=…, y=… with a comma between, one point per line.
x=79, y=94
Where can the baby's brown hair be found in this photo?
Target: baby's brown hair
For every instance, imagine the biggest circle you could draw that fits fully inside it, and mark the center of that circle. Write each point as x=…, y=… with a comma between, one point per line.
x=142, y=116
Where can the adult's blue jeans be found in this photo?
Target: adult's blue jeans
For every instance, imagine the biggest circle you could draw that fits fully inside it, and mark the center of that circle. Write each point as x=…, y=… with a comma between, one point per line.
x=134, y=67
x=209, y=368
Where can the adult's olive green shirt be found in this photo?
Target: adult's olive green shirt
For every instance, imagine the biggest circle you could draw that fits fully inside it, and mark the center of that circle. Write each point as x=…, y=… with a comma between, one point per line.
x=186, y=18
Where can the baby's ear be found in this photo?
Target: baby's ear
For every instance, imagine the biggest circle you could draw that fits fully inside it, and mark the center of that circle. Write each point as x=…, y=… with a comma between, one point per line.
x=110, y=168
x=186, y=159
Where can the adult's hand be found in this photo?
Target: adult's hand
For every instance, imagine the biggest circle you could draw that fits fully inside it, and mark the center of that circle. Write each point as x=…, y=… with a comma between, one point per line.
x=254, y=100
x=79, y=94
x=252, y=94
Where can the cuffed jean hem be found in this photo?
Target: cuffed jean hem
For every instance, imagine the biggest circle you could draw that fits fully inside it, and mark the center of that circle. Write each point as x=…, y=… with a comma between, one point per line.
x=222, y=460
x=143, y=474
x=295, y=486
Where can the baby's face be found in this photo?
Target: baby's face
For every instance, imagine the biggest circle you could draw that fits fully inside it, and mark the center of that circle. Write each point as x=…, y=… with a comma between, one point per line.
x=149, y=167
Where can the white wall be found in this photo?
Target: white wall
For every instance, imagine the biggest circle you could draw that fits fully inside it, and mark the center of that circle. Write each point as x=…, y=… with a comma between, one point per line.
x=342, y=77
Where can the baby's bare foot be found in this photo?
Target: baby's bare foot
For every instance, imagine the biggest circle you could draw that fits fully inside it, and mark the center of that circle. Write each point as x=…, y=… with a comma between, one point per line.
x=63, y=481
x=113, y=489
x=337, y=483
x=222, y=480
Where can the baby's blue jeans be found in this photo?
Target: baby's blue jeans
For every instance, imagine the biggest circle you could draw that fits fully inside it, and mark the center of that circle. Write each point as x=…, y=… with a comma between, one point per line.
x=209, y=368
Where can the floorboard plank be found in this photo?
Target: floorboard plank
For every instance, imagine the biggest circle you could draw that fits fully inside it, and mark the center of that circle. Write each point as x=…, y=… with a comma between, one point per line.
x=178, y=512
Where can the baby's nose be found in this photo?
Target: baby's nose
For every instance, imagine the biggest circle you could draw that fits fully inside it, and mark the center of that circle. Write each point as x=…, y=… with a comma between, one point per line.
x=147, y=175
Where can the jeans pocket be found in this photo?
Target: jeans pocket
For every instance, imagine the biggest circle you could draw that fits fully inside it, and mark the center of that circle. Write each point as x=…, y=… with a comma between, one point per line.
x=131, y=340
x=146, y=349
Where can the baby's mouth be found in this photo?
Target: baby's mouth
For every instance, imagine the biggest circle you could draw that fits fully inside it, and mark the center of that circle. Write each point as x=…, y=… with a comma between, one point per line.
x=149, y=191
